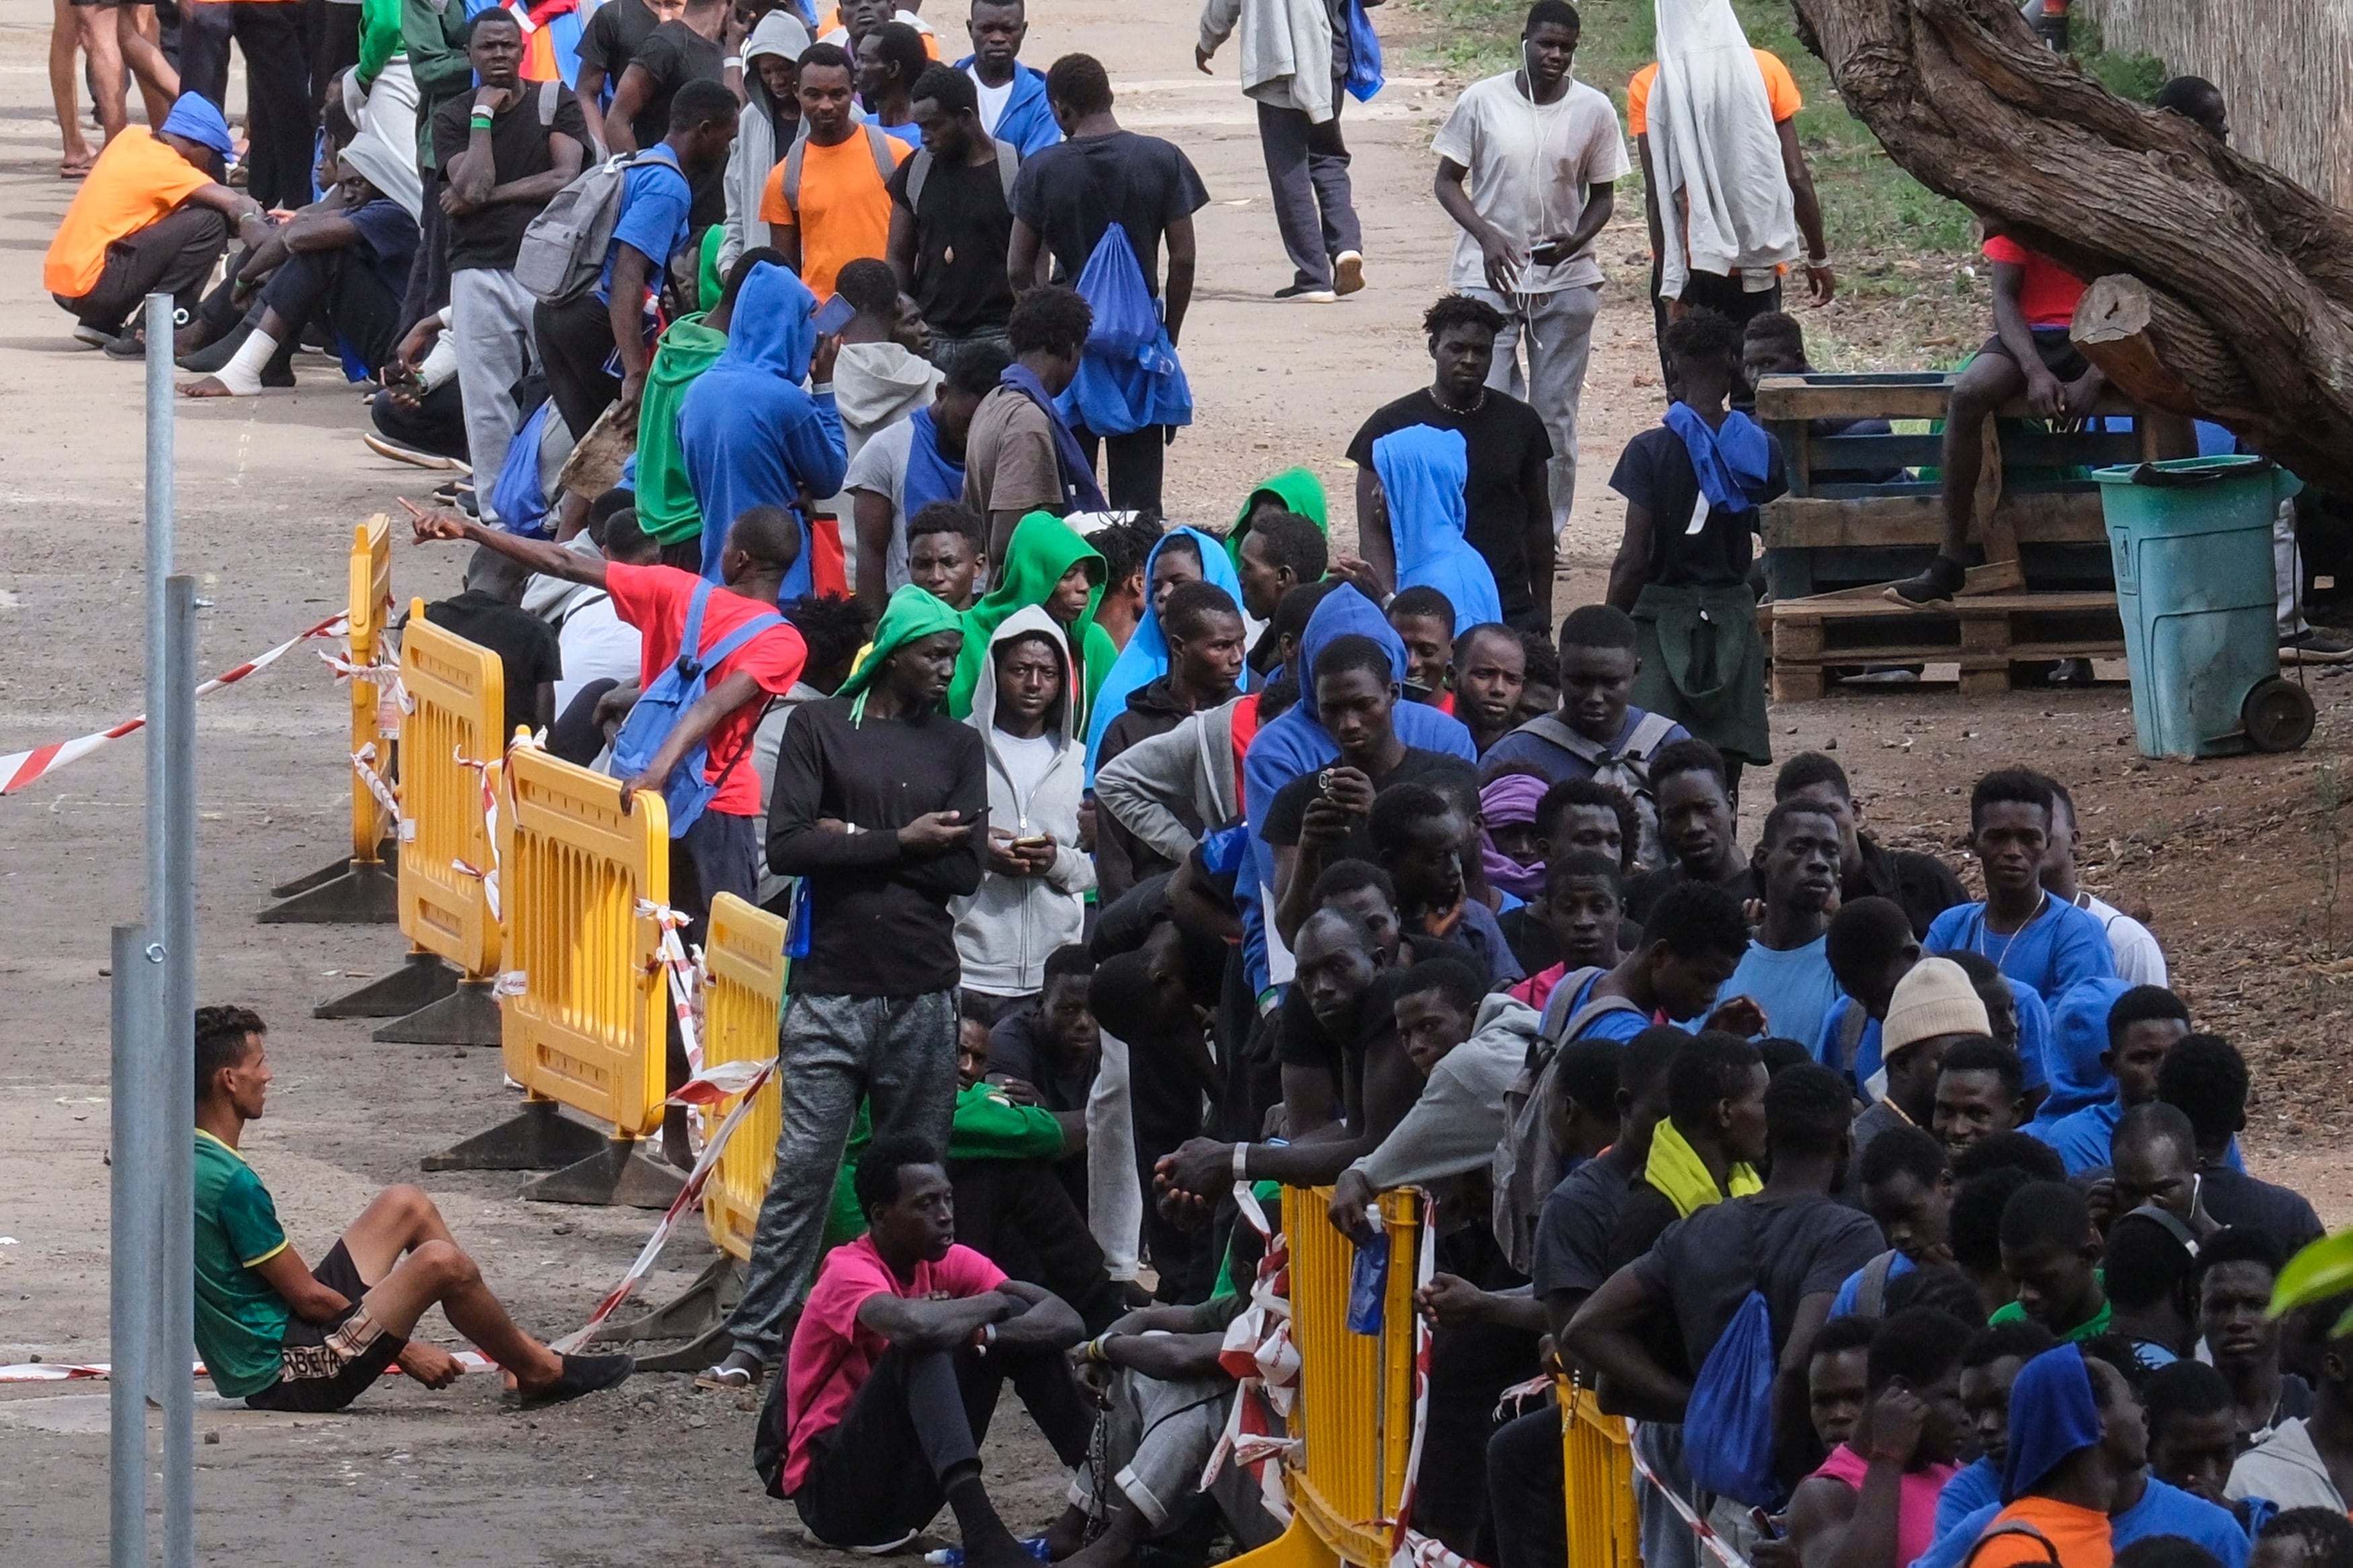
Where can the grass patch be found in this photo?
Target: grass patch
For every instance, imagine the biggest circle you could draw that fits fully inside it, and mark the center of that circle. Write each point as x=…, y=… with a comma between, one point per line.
x=1878, y=219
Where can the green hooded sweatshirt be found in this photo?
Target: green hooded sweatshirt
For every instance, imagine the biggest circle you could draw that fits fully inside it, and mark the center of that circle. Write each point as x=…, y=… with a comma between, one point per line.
x=1042, y=550
x=666, y=507
x=912, y=614
x=1299, y=490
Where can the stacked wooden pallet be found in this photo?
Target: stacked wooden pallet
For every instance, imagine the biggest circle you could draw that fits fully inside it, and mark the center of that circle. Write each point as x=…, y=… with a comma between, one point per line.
x=1856, y=518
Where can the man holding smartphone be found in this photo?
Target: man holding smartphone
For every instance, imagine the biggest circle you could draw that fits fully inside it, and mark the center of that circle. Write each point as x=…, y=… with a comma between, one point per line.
x=1525, y=166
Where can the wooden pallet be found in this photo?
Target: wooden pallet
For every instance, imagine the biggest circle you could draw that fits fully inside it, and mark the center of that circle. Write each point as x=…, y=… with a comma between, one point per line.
x=1987, y=634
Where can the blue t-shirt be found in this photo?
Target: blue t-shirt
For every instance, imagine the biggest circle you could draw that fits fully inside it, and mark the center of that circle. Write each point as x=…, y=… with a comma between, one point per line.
x=1842, y=1306
x=1795, y=988
x=1619, y=1023
x=2163, y=1509
x=2060, y=945
x=912, y=134
x=655, y=201
x=1975, y=1486
x=2033, y=1035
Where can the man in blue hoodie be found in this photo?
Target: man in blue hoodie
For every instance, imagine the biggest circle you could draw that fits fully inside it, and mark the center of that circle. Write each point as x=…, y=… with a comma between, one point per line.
x=1012, y=95
x=750, y=434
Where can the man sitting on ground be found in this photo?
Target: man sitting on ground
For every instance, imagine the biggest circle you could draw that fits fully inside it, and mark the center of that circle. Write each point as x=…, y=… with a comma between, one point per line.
x=896, y=1366
x=284, y=1337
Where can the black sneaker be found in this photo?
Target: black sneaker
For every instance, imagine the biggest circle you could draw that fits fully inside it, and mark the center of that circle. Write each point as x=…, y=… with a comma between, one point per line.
x=2313, y=646
x=1307, y=294
x=583, y=1374
x=1932, y=590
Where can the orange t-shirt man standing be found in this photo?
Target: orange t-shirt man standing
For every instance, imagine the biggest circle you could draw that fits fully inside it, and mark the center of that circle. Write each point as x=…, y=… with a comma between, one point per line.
x=840, y=209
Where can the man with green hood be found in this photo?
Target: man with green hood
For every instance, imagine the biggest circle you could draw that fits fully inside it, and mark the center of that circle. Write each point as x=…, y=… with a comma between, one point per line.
x=881, y=807
x=1294, y=490
x=1048, y=564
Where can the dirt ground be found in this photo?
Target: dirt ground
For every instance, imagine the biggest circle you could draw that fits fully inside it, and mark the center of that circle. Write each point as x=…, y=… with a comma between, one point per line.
x=2237, y=862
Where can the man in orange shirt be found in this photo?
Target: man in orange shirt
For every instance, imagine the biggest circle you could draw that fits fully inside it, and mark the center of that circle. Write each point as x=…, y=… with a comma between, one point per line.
x=153, y=216
x=828, y=201
x=2060, y=1475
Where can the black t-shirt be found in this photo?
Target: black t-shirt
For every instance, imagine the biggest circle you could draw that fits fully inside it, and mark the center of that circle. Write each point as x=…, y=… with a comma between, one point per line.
x=1574, y=1227
x=1651, y=886
x=673, y=55
x=1655, y=473
x=1018, y=1048
x=612, y=37
x=1508, y=448
x=1072, y=192
x=525, y=645
x=1290, y=807
x=2235, y=1198
x=1704, y=1267
x=490, y=238
x=962, y=229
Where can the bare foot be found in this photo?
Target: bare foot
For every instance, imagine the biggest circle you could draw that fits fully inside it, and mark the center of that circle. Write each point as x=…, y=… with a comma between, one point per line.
x=210, y=386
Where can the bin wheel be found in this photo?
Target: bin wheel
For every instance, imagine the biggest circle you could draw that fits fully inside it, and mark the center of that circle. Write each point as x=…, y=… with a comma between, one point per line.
x=2278, y=714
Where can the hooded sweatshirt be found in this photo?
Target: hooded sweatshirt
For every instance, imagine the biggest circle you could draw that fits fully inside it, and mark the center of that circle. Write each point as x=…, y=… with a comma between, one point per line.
x=755, y=150
x=1042, y=549
x=1006, y=930
x=751, y=435
x=1422, y=471
x=1192, y=766
x=665, y=504
x=879, y=920
x=2079, y=1033
x=1025, y=123
x=878, y=384
x=1287, y=53
x=1144, y=660
x=2284, y=1467
x=1454, y=1126
x=1298, y=489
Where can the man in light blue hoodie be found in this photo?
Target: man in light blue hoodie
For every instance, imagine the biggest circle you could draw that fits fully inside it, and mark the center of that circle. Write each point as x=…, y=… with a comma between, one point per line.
x=751, y=435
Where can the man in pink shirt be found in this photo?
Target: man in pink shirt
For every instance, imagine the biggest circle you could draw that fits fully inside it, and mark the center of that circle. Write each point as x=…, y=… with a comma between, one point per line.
x=1875, y=1498
x=895, y=1369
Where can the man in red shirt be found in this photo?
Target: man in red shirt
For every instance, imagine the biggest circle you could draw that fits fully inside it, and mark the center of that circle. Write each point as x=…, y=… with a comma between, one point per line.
x=721, y=852
x=2030, y=353
x=896, y=1365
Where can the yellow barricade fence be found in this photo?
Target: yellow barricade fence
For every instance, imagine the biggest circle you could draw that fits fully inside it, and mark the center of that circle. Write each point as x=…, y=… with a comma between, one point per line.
x=1355, y=1414
x=359, y=888
x=452, y=745
x=743, y=998
x=1597, y=1466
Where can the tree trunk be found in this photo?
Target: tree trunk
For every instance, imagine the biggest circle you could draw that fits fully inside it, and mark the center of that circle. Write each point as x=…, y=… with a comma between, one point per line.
x=2221, y=287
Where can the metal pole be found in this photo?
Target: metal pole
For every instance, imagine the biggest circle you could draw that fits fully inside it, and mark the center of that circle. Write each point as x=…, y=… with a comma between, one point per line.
x=131, y=1224
x=175, y=728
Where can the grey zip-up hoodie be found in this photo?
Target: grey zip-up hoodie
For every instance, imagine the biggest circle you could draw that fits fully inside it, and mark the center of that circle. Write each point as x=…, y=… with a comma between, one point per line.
x=1193, y=763
x=2285, y=1468
x=1453, y=1128
x=755, y=150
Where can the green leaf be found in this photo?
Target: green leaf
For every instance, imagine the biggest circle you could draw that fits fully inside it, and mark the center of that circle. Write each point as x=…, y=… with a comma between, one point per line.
x=2321, y=1270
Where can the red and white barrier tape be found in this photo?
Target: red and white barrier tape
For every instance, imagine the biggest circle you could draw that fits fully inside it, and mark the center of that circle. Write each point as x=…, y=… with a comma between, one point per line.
x=684, y=977
x=19, y=770
x=1676, y=1500
x=363, y=765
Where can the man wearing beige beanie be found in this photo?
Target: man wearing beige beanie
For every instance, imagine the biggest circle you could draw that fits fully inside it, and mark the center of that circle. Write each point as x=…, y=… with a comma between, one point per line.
x=1933, y=1005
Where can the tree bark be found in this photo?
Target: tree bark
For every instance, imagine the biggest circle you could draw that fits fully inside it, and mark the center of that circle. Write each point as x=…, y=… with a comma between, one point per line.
x=2221, y=288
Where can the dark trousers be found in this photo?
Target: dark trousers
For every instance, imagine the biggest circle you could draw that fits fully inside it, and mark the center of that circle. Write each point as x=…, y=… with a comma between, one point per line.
x=428, y=274
x=720, y=854
x=1019, y=1215
x=1727, y=297
x=335, y=39
x=1470, y=1367
x=1307, y=165
x=575, y=342
x=339, y=289
x=1524, y=1492
x=437, y=423
x=280, y=113
x=918, y=1416
x=575, y=737
x=173, y=256
x=1131, y=465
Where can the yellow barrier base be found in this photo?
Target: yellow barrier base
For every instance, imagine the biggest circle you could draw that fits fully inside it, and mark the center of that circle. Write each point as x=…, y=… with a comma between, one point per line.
x=1297, y=1547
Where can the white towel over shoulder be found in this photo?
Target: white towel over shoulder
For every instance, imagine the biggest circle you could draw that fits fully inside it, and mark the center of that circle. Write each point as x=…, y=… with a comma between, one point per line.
x=1724, y=196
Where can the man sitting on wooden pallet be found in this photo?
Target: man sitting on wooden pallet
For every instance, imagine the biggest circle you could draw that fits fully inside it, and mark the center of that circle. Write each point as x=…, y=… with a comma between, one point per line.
x=2030, y=353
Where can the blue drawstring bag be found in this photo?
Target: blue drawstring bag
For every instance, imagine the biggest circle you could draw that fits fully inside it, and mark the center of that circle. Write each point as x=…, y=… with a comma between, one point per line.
x=1128, y=377
x=1728, y=1424
x=666, y=701
x=1363, y=77
x=518, y=496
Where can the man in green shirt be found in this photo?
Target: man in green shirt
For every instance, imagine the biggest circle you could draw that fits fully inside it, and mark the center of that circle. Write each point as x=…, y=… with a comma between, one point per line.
x=2052, y=1253
x=282, y=1336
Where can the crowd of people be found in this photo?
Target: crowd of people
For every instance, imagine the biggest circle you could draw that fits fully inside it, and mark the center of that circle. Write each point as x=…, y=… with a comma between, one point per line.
x=1135, y=870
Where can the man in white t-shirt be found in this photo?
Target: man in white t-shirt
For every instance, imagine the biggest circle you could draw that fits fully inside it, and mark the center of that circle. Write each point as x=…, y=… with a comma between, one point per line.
x=1526, y=163
x=2139, y=961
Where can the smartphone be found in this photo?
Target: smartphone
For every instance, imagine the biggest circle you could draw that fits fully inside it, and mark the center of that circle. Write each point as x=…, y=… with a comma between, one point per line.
x=1767, y=1526
x=1549, y=255
x=1033, y=842
x=832, y=316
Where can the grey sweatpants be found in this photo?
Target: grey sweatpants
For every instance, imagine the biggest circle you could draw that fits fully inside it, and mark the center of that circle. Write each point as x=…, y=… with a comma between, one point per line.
x=1556, y=330
x=1154, y=1439
x=490, y=321
x=897, y=1051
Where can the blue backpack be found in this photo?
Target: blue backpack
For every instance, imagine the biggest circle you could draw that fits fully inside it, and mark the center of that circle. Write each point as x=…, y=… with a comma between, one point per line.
x=1728, y=1425
x=657, y=710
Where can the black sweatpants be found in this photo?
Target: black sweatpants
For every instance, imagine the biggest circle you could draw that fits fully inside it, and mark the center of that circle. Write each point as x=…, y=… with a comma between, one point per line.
x=1133, y=465
x=280, y=115
x=1524, y=1492
x=340, y=291
x=173, y=255
x=876, y=1476
x=576, y=345
x=438, y=424
x=1019, y=1215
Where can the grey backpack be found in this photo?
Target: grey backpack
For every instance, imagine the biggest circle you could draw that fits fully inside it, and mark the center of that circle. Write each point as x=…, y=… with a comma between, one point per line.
x=877, y=143
x=919, y=169
x=1526, y=1166
x=562, y=251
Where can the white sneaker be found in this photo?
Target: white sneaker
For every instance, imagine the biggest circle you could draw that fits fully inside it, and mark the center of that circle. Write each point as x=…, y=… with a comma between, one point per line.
x=1305, y=294
x=400, y=453
x=1348, y=271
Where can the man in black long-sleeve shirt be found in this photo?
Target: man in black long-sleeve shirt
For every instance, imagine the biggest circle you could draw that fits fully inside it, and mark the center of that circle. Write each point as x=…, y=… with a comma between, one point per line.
x=879, y=801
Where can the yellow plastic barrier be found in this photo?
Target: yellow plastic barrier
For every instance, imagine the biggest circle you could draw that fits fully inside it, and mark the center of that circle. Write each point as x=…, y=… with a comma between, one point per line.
x=1355, y=1411
x=744, y=957
x=458, y=692
x=359, y=888
x=1597, y=1466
